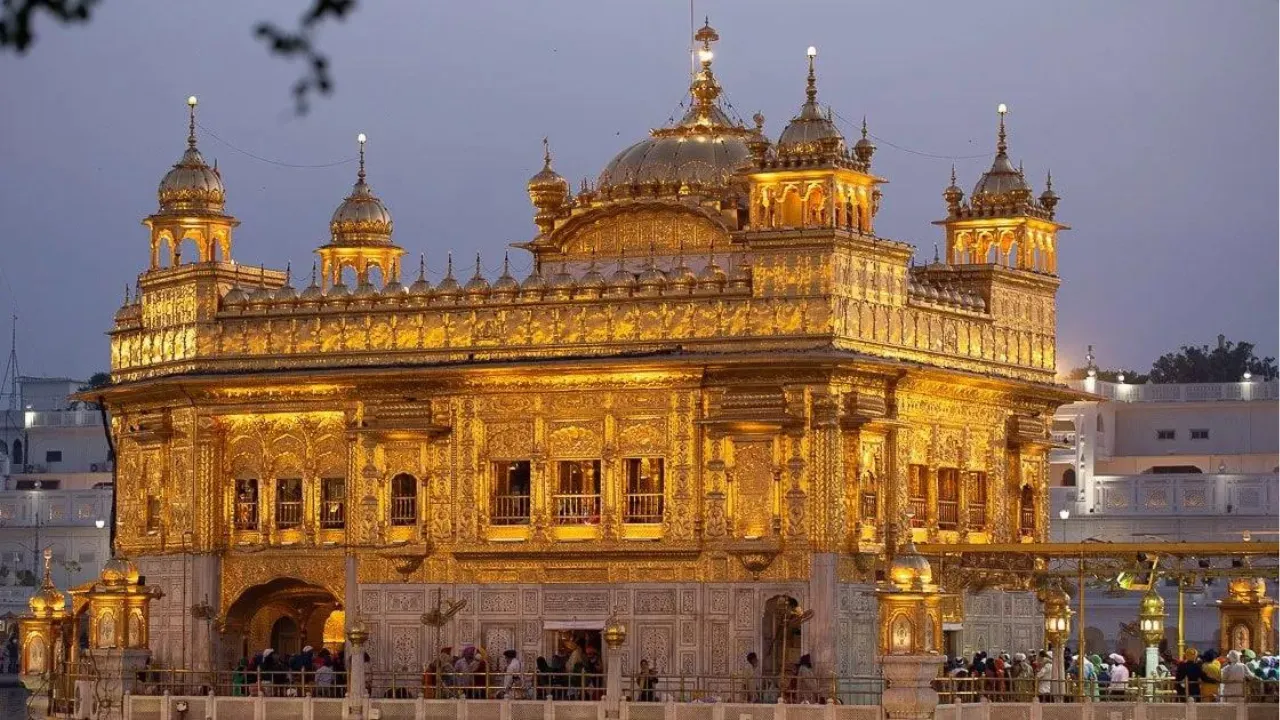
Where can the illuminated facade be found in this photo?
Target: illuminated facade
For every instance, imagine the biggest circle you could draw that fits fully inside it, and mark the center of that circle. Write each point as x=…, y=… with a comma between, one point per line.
x=718, y=391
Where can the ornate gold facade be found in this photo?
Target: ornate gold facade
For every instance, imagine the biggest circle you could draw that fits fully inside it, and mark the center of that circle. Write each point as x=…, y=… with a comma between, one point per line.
x=716, y=373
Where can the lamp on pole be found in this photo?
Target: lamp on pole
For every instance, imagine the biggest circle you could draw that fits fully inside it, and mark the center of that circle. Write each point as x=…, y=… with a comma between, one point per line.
x=1063, y=514
x=1057, y=626
x=1151, y=626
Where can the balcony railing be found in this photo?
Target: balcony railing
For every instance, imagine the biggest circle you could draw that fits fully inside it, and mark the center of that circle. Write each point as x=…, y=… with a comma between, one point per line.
x=509, y=510
x=576, y=509
x=1182, y=494
x=977, y=516
x=948, y=514
x=870, y=508
x=61, y=418
x=288, y=514
x=246, y=514
x=404, y=510
x=333, y=515
x=644, y=508
x=919, y=511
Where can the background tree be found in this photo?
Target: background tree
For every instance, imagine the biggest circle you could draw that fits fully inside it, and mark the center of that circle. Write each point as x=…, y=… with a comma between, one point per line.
x=1228, y=362
x=17, y=33
x=1130, y=376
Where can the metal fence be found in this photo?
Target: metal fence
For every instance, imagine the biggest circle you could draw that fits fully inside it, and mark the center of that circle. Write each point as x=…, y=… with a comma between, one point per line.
x=953, y=690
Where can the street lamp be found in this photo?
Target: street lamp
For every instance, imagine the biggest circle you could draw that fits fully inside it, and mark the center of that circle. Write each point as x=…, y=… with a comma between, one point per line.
x=99, y=523
x=1063, y=514
x=1151, y=626
x=1057, y=627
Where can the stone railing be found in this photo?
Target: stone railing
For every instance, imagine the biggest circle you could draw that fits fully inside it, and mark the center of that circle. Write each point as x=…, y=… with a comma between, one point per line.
x=1105, y=711
x=1173, y=494
x=173, y=707
x=61, y=508
x=1178, y=392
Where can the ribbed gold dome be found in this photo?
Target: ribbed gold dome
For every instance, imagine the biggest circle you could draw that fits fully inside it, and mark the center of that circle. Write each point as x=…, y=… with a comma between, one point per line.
x=811, y=132
x=910, y=568
x=700, y=152
x=191, y=185
x=119, y=570
x=361, y=219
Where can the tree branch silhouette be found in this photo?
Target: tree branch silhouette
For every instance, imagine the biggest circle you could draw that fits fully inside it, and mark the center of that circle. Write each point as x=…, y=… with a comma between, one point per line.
x=18, y=21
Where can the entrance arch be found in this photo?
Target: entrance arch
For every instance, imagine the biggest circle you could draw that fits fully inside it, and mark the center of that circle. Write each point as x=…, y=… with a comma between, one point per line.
x=285, y=614
x=780, y=634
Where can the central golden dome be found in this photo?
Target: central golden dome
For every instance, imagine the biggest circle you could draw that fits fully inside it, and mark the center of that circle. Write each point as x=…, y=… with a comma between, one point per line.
x=191, y=185
x=700, y=152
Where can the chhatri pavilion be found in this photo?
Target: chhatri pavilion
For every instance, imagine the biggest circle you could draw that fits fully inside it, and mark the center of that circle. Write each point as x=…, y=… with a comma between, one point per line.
x=714, y=407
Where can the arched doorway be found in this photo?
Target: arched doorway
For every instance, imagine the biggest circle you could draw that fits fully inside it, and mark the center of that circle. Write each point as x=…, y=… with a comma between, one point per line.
x=780, y=634
x=285, y=614
x=285, y=636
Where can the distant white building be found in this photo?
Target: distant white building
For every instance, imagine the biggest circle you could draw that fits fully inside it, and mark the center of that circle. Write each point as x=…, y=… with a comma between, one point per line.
x=1165, y=463
x=56, y=489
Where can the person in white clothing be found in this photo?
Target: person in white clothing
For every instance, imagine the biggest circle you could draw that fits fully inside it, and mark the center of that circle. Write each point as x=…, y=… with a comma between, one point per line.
x=1119, y=675
x=512, y=682
x=1235, y=676
x=1044, y=678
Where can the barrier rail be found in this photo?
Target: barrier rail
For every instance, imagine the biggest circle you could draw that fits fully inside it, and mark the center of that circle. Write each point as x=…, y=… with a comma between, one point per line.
x=955, y=690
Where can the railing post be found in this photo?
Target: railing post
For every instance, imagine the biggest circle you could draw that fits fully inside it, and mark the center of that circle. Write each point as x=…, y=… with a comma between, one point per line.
x=164, y=705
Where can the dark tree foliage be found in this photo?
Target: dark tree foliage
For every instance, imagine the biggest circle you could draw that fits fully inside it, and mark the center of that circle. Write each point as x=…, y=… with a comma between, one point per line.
x=96, y=380
x=1228, y=362
x=18, y=19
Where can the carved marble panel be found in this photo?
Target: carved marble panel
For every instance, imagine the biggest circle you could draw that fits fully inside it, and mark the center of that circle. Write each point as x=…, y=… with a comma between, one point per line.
x=745, y=609
x=575, y=602
x=498, y=602
x=405, y=647
x=718, y=601
x=655, y=602
x=655, y=645
x=405, y=601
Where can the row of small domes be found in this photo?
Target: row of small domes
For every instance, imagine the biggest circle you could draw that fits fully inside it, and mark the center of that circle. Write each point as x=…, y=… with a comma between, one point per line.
x=947, y=296
x=562, y=285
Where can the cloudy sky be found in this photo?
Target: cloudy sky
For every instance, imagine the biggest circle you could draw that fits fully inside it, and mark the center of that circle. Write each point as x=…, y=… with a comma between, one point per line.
x=1157, y=117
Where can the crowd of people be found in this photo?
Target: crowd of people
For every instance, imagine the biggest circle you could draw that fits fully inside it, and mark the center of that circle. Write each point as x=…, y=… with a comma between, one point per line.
x=319, y=673
x=1199, y=677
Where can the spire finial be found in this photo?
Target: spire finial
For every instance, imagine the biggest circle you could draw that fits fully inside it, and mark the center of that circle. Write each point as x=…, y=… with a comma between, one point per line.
x=477, y=264
x=191, y=121
x=262, y=275
x=811, y=90
x=936, y=258
x=48, y=569
x=361, y=138
x=1001, y=145
x=449, y=265
x=313, y=273
x=953, y=173
x=288, y=272
x=864, y=127
x=506, y=263
x=1020, y=169
x=546, y=154
x=1048, y=180
x=422, y=266
x=126, y=293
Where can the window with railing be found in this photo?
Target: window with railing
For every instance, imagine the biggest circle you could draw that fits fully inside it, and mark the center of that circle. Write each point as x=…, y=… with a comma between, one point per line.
x=918, y=494
x=404, y=499
x=644, y=490
x=948, y=498
x=577, y=497
x=509, y=504
x=978, y=501
x=288, y=503
x=1026, y=512
x=333, y=503
x=247, y=504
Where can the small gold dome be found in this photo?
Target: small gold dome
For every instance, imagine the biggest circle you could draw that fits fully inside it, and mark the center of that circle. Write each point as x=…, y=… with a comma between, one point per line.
x=118, y=571
x=1247, y=589
x=547, y=183
x=811, y=132
x=909, y=568
x=1152, y=604
x=47, y=599
x=191, y=185
x=361, y=219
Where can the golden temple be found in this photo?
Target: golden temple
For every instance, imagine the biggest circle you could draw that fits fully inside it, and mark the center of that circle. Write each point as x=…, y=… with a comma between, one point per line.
x=712, y=400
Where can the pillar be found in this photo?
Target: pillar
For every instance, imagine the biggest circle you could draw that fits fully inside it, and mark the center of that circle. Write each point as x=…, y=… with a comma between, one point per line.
x=823, y=629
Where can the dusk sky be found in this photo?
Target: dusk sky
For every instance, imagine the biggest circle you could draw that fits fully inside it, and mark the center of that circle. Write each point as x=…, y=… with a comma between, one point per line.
x=1158, y=119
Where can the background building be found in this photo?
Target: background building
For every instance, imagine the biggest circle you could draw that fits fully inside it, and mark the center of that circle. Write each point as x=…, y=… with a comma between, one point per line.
x=1165, y=463
x=56, y=489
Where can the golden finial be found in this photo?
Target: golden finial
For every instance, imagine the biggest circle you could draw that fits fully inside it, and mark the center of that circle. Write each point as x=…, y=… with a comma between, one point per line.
x=1001, y=145
x=1020, y=169
x=449, y=266
x=864, y=127
x=506, y=263
x=1048, y=181
x=48, y=568
x=126, y=293
x=313, y=272
x=288, y=272
x=477, y=265
x=953, y=173
x=811, y=91
x=422, y=266
x=191, y=122
x=546, y=154
x=361, y=138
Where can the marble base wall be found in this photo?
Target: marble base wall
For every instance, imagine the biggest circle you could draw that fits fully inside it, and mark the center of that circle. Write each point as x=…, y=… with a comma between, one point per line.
x=177, y=638
x=1002, y=621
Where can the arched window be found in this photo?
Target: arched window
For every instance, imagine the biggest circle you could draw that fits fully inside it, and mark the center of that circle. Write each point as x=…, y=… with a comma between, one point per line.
x=404, y=499
x=1069, y=477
